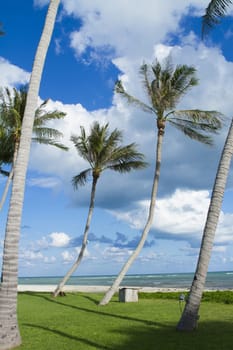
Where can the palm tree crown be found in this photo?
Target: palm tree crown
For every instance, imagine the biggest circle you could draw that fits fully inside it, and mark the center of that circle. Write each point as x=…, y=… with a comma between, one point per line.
x=12, y=106
x=102, y=151
x=214, y=12
x=165, y=85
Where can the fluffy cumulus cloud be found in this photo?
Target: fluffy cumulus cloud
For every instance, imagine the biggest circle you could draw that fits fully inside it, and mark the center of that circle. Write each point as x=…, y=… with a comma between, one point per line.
x=135, y=34
x=180, y=216
x=127, y=25
x=12, y=75
x=59, y=239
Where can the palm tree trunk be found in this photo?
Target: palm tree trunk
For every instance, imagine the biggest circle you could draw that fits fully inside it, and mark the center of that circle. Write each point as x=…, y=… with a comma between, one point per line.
x=9, y=330
x=10, y=176
x=112, y=290
x=84, y=242
x=189, y=318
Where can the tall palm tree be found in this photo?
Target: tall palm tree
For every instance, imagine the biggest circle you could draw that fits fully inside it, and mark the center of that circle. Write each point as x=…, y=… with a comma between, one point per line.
x=12, y=106
x=165, y=85
x=189, y=317
x=102, y=150
x=9, y=330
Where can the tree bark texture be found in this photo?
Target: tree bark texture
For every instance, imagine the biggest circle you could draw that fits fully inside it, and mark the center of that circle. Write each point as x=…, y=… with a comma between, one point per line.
x=9, y=330
x=84, y=242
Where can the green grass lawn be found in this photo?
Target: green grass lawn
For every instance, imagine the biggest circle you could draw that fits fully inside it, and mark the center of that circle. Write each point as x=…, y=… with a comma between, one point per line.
x=76, y=322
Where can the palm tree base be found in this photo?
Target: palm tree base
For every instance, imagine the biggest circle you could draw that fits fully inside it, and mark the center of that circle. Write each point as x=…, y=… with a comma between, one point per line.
x=9, y=334
x=188, y=322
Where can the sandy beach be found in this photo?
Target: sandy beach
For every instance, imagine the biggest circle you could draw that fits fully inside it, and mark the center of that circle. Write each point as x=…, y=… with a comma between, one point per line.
x=89, y=289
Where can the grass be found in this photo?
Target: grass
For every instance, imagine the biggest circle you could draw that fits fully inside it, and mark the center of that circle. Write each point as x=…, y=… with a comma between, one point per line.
x=77, y=322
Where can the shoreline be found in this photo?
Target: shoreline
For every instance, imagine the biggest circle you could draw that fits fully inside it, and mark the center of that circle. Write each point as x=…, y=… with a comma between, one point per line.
x=99, y=289
x=90, y=289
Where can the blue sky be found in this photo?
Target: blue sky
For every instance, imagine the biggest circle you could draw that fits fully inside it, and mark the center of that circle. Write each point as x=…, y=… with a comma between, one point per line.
x=94, y=43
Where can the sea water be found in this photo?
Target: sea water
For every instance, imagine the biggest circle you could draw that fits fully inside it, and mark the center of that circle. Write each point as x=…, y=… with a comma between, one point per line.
x=215, y=280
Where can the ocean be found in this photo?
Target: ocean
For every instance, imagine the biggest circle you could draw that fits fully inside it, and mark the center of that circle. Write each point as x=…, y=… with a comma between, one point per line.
x=215, y=280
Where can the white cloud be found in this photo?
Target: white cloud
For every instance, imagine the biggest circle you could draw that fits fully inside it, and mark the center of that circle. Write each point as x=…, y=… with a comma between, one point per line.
x=115, y=254
x=59, y=239
x=183, y=214
x=67, y=256
x=144, y=22
x=44, y=182
x=11, y=74
x=30, y=255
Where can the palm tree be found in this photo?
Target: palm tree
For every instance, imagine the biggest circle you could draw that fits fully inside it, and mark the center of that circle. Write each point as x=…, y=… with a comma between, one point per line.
x=102, y=150
x=189, y=317
x=214, y=12
x=165, y=85
x=12, y=106
x=9, y=330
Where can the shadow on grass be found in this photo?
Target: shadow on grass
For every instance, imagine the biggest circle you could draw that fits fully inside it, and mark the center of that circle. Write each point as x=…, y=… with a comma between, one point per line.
x=97, y=312
x=66, y=335
x=209, y=336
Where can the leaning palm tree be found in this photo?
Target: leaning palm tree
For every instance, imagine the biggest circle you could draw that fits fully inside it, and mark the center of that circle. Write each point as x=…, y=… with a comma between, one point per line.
x=103, y=151
x=189, y=317
x=9, y=330
x=12, y=106
x=165, y=85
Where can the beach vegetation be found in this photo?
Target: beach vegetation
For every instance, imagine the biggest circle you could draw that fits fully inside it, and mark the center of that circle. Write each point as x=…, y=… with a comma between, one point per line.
x=215, y=296
x=165, y=85
x=9, y=329
x=103, y=150
x=12, y=107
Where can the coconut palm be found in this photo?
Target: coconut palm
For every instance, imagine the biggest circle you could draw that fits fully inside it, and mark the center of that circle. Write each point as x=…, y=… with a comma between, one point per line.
x=165, y=85
x=103, y=151
x=213, y=14
x=12, y=106
x=9, y=330
x=189, y=317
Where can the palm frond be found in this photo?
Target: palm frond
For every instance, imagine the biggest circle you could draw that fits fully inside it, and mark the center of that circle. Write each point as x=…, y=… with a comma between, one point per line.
x=216, y=10
x=4, y=172
x=183, y=79
x=130, y=99
x=42, y=116
x=51, y=142
x=103, y=151
x=126, y=157
x=81, y=145
x=124, y=167
x=109, y=145
x=192, y=133
x=81, y=178
x=144, y=71
x=44, y=132
x=206, y=120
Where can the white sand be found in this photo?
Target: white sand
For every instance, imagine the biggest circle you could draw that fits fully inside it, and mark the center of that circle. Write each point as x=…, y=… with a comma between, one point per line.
x=89, y=289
